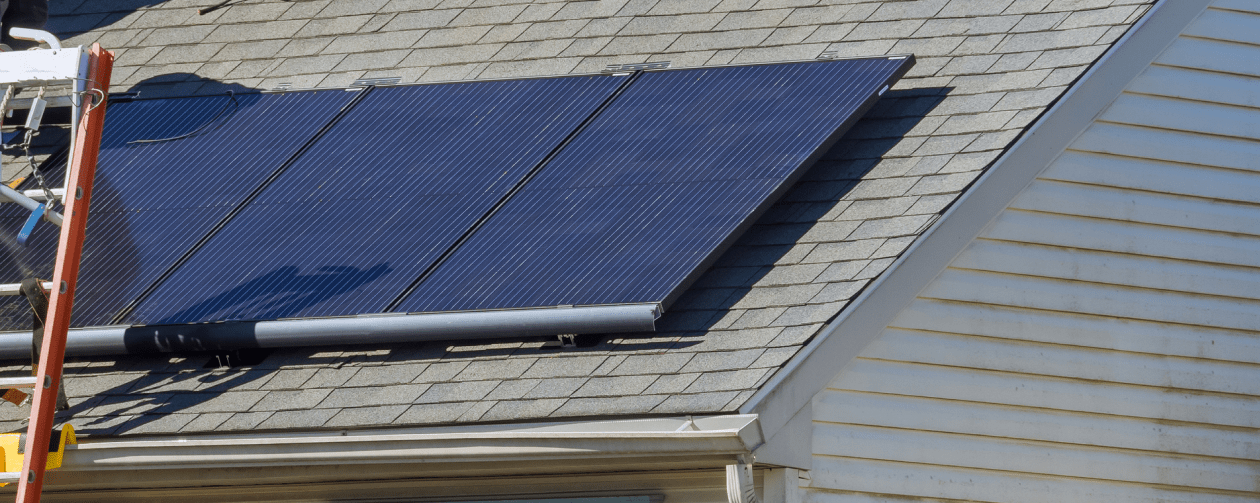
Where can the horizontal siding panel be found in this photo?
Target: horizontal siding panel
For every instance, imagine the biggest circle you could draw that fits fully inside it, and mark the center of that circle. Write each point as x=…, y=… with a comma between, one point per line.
x=1184, y=115
x=950, y=383
x=1094, y=298
x=1100, y=340
x=1212, y=55
x=1124, y=237
x=1110, y=268
x=817, y=496
x=1137, y=206
x=1240, y=5
x=1171, y=146
x=990, y=453
x=1175, y=82
x=1227, y=25
x=1080, y=330
x=926, y=481
x=1170, y=179
x=948, y=416
x=1065, y=361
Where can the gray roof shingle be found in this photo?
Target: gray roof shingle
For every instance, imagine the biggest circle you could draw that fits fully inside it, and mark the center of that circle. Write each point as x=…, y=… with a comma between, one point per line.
x=987, y=69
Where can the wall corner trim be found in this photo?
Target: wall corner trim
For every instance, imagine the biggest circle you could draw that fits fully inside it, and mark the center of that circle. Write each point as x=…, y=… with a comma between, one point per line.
x=790, y=446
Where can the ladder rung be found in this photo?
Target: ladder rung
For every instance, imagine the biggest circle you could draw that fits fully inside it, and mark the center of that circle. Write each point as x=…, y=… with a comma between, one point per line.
x=10, y=477
x=37, y=194
x=53, y=101
x=12, y=289
x=17, y=382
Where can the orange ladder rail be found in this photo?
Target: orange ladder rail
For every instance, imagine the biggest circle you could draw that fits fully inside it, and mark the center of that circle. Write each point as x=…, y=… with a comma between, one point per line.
x=69, y=250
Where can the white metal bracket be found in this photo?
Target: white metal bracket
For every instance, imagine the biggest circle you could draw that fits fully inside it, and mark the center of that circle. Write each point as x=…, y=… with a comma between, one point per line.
x=42, y=67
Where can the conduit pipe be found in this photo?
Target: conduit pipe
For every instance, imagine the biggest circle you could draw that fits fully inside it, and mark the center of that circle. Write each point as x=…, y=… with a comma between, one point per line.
x=369, y=329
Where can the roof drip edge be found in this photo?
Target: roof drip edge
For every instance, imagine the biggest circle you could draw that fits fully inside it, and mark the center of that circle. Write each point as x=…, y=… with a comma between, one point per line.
x=665, y=436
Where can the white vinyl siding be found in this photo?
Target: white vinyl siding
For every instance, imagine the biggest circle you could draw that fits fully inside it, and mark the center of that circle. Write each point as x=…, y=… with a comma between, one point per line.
x=1100, y=340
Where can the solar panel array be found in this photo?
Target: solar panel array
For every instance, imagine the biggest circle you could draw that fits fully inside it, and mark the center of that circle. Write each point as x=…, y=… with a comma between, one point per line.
x=584, y=190
x=376, y=200
x=653, y=186
x=138, y=228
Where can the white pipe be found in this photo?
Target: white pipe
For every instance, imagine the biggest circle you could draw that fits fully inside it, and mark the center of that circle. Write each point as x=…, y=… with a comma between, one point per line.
x=40, y=36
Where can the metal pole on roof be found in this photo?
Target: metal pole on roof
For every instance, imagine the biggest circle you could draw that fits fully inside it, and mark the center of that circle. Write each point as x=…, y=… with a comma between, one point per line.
x=370, y=329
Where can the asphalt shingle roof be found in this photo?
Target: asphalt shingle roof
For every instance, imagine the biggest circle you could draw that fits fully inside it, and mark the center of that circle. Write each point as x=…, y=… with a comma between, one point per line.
x=986, y=70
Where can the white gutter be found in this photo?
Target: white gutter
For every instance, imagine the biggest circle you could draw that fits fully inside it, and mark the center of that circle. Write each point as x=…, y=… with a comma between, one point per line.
x=721, y=437
x=860, y=323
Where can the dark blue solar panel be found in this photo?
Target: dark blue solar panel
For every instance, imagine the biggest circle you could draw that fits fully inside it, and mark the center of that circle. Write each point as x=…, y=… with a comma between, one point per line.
x=153, y=200
x=356, y=220
x=655, y=186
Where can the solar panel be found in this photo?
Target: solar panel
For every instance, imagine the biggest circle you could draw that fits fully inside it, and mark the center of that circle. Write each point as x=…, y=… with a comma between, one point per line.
x=152, y=200
x=377, y=200
x=655, y=187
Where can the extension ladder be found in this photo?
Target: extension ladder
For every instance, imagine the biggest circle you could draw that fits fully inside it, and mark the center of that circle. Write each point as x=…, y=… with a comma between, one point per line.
x=87, y=73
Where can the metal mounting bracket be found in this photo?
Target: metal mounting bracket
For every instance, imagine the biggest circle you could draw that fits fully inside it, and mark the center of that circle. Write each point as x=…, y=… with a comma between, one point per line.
x=633, y=67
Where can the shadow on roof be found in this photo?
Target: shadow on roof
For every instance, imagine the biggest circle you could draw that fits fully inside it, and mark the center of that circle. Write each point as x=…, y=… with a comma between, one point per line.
x=124, y=257
x=776, y=234
x=69, y=18
x=173, y=85
x=281, y=293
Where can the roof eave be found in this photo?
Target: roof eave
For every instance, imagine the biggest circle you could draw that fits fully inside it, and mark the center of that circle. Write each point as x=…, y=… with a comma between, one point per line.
x=508, y=449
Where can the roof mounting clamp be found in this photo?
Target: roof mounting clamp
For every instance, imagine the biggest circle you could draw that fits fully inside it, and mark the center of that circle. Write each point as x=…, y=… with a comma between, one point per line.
x=562, y=341
x=632, y=67
x=828, y=55
x=378, y=81
x=283, y=86
x=568, y=340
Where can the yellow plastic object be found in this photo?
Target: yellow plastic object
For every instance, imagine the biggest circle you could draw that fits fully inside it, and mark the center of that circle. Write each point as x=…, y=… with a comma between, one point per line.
x=11, y=449
x=10, y=443
x=66, y=438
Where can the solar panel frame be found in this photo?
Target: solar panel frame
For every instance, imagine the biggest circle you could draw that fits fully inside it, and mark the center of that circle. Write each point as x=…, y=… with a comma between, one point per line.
x=739, y=229
x=900, y=65
x=143, y=146
x=907, y=62
x=533, y=116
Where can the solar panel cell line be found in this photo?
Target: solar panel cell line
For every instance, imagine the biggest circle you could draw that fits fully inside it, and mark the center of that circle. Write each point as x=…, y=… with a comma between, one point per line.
x=154, y=199
x=358, y=217
x=656, y=186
